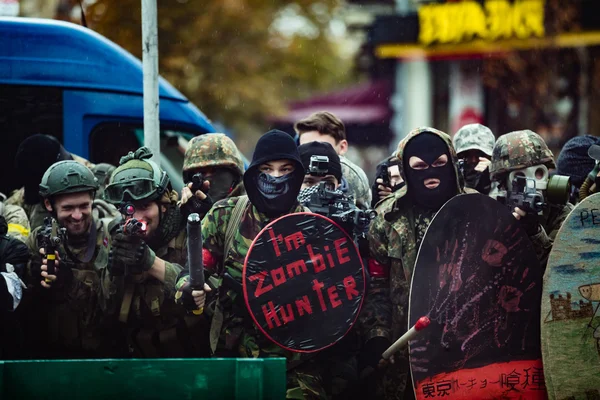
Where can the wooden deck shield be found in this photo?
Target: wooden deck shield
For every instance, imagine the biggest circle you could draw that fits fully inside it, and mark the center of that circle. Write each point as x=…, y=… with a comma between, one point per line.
x=570, y=301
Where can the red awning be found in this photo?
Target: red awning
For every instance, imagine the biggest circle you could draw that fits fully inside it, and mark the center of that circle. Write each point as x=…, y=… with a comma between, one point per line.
x=364, y=104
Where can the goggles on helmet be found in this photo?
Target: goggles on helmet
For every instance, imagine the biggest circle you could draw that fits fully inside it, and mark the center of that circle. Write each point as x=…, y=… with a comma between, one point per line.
x=138, y=189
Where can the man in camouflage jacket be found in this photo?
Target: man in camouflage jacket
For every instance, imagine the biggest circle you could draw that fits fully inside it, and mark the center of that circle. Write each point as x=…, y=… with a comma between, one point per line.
x=138, y=284
x=272, y=181
x=525, y=153
x=62, y=313
x=427, y=157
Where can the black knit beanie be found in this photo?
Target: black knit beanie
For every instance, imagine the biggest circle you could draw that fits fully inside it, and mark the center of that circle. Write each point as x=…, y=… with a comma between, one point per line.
x=573, y=160
x=273, y=145
x=34, y=156
x=321, y=149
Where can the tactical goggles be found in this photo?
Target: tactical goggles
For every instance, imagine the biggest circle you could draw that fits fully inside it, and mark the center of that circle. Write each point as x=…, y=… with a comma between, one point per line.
x=138, y=189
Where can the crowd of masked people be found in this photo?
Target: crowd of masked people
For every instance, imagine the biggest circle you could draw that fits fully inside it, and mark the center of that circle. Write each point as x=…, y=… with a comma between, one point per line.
x=79, y=281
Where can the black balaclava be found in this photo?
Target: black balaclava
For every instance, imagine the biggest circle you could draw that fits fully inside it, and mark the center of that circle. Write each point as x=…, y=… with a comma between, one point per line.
x=429, y=147
x=34, y=156
x=274, y=196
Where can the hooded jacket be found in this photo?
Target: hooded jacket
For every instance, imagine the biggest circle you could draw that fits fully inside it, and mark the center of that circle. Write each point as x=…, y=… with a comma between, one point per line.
x=394, y=239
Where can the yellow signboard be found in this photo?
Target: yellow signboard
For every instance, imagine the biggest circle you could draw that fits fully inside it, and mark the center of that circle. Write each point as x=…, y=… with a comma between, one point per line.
x=467, y=20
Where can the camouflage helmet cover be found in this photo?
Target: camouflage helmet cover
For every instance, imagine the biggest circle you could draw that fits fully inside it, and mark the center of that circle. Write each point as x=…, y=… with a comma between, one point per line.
x=213, y=150
x=67, y=177
x=474, y=137
x=518, y=150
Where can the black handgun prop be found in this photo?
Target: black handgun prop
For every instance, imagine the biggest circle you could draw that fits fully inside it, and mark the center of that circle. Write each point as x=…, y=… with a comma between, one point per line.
x=49, y=241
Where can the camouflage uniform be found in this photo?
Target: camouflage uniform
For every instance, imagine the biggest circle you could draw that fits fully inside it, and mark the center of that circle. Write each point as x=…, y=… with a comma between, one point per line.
x=395, y=236
x=238, y=336
x=18, y=224
x=152, y=312
x=75, y=325
x=72, y=325
x=522, y=149
x=144, y=306
x=358, y=183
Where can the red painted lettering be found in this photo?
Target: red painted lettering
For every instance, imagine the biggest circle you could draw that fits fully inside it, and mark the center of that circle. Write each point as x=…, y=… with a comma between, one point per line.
x=340, y=252
x=260, y=290
x=295, y=238
x=296, y=267
x=350, y=286
x=316, y=259
x=317, y=286
x=278, y=276
x=303, y=306
x=271, y=315
x=330, y=259
x=333, y=297
x=290, y=314
x=275, y=240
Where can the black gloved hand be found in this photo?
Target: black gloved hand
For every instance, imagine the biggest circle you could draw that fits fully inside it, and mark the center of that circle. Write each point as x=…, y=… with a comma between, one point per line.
x=133, y=252
x=195, y=205
x=531, y=223
x=372, y=352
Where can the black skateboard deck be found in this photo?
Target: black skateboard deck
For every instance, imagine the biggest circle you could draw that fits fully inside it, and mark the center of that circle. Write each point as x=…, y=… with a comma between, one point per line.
x=478, y=280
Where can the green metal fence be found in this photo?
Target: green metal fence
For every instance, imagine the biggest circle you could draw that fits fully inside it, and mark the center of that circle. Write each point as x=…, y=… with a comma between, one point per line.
x=144, y=379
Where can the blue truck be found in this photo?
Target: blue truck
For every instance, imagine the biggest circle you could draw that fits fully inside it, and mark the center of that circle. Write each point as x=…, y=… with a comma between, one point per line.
x=68, y=81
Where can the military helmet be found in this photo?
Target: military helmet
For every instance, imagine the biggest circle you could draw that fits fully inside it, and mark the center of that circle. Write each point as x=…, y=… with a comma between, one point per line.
x=474, y=137
x=212, y=150
x=518, y=150
x=136, y=178
x=67, y=177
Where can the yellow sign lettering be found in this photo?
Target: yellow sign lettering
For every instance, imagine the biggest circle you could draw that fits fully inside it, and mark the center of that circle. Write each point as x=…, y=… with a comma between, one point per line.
x=468, y=20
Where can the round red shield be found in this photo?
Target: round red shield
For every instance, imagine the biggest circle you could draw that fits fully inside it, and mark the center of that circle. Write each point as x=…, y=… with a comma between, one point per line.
x=304, y=282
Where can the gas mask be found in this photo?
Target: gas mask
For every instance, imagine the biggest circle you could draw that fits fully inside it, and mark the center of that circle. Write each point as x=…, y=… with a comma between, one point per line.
x=539, y=173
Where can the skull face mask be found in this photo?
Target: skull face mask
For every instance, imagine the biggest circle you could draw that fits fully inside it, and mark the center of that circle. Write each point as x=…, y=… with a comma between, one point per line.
x=539, y=173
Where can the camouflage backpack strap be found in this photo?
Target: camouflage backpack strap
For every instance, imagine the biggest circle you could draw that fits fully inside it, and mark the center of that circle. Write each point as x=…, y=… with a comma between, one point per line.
x=234, y=223
x=232, y=227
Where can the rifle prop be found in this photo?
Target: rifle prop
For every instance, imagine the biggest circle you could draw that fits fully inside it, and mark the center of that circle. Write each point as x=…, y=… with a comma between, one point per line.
x=524, y=196
x=341, y=209
x=402, y=342
x=50, y=242
x=129, y=226
x=195, y=261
